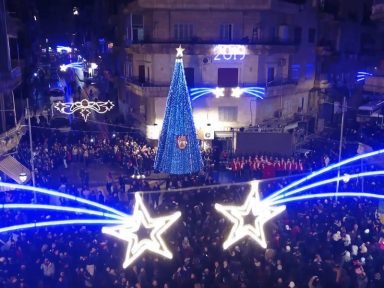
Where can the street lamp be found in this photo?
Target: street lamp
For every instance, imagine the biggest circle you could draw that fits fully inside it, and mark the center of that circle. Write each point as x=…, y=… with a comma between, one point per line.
x=31, y=160
x=23, y=177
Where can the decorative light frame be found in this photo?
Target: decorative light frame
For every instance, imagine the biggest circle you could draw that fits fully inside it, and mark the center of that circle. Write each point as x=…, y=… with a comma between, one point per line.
x=128, y=232
x=85, y=106
x=251, y=207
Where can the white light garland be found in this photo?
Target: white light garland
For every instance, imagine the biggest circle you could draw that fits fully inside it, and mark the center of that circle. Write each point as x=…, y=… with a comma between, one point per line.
x=85, y=106
x=261, y=211
x=141, y=219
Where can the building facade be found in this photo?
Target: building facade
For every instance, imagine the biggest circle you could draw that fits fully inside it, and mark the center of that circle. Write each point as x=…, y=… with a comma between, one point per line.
x=10, y=69
x=245, y=45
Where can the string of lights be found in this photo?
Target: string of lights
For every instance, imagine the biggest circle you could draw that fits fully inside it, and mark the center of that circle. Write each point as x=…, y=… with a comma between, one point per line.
x=324, y=170
x=344, y=178
x=59, y=208
x=63, y=195
x=57, y=223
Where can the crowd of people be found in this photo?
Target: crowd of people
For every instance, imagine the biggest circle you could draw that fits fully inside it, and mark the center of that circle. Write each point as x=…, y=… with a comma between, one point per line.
x=324, y=243
x=318, y=243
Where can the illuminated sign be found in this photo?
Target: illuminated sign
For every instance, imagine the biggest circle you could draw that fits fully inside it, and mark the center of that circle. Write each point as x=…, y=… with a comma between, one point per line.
x=229, y=52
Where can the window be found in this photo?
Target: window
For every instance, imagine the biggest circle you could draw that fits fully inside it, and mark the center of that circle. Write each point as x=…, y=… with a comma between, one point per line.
x=137, y=28
x=190, y=76
x=183, y=32
x=311, y=35
x=226, y=32
x=228, y=77
x=256, y=34
x=270, y=74
x=228, y=113
x=309, y=71
x=141, y=73
x=295, y=72
x=297, y=35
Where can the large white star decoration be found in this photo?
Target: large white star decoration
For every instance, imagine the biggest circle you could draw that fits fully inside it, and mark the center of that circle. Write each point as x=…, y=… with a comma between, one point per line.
x=180, y=51
x=259, y=213
x=131, y=230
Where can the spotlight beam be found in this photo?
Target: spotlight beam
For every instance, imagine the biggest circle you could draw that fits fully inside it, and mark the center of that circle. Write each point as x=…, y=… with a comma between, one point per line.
x=63, y=195
x=57, y=223
x=328, y=195
x=60, y=208
x=320, y=183
x=324, y=170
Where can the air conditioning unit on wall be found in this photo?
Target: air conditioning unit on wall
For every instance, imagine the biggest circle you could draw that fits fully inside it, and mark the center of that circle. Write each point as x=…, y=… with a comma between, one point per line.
x=206, y=60
x=282, y=62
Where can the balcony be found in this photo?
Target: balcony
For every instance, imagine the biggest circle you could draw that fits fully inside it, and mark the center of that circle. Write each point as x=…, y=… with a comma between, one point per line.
x=200, y=48
x=147, y=89
x=279, y=88
x=9, y=81
x=205, y=5
x=374, y=84
x=378, y=11
x=13, y=25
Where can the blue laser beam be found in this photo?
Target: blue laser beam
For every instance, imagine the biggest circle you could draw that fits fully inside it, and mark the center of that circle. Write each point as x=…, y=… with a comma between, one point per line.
x=63, y=195
x=328, y=195
x=57, y=223
x=327, y=181
x=324, y=170
x=59, y=208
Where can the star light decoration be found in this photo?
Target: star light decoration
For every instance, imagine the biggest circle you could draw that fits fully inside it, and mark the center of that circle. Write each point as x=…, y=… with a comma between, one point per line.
x=141, y=220
x=236, y=92
x=179, y=52
x=259, y=211
x=219, y=92
x=85, y=106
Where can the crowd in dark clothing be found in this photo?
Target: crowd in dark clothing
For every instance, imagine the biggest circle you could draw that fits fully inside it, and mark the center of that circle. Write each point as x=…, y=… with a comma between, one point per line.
x=59, y=151
x=324, y=243
x=320, y=243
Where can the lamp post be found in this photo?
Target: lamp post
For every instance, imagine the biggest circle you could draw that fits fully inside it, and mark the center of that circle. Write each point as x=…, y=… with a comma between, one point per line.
x=31, y=160
x=344, y=107
x=23, y=177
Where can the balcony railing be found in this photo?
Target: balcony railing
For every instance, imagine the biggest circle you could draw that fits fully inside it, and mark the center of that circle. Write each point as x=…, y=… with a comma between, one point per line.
x=196, y=40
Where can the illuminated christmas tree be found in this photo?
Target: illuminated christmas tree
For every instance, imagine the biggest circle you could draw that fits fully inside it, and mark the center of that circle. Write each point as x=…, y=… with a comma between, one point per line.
x=178, y=149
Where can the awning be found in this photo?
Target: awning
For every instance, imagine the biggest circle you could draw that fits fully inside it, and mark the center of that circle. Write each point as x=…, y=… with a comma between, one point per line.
x=12, y=168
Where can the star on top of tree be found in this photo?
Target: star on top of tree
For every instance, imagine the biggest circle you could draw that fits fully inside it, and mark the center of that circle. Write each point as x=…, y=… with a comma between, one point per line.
x=180, y=51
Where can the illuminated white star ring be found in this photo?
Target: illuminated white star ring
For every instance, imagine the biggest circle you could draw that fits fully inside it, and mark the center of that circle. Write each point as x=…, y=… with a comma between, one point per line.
x=85, y=106
x=219, y=92
x=179, y=52
x=236, y=92
x=259, y=211
x=142, y=220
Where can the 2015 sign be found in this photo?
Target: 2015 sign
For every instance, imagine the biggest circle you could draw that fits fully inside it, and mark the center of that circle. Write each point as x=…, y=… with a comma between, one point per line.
x=229, y=52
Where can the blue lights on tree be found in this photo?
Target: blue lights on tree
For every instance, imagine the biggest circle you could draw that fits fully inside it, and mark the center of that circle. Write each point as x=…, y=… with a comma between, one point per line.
x=178, y=150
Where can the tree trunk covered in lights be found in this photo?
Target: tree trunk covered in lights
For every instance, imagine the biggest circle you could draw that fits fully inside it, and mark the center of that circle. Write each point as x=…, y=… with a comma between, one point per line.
x=178, y=149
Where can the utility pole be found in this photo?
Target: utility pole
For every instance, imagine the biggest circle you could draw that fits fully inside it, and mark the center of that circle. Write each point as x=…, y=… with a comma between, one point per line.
x=344, y=107
x=32, y=162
